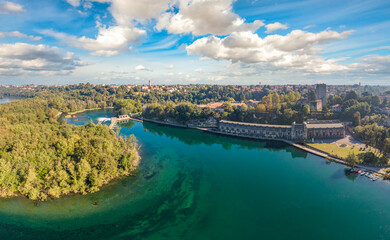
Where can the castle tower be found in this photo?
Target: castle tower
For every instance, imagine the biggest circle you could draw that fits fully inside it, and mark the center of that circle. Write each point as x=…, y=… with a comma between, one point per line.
x=321, y=93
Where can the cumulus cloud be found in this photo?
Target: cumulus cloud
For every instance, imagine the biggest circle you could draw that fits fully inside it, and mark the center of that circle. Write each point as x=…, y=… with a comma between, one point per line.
x=275, y=26
x=125, y=11
x=19, y=58
x=109, y=41
x=170, y=67
x=201, y=17
x=10, y=7
x=375, y=64
x=19, y=35
x=142, y=68
x=198, y=17
x=297, y=49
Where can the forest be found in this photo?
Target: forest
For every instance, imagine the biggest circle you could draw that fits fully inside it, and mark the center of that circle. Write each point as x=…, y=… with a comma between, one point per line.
x=43, y=158
x=273, y=108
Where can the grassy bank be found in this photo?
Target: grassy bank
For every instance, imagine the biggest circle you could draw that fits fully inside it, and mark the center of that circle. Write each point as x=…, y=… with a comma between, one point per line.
x=340, y=150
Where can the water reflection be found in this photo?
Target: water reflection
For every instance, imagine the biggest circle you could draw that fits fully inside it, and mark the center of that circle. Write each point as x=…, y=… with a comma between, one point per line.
x=350, y=175
x=9, y=99
x=196, y=137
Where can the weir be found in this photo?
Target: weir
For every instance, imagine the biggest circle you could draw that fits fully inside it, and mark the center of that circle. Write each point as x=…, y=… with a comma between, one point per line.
x=115, y=120
x=121, y=118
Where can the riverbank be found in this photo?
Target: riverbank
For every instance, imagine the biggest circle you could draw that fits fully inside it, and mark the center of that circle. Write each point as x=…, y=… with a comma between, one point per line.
x=305, y=147
x=72, y=114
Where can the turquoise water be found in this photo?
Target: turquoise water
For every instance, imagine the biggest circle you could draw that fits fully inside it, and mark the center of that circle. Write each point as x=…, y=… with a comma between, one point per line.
x=194, y=185
x=94, y=116
x=8, y=99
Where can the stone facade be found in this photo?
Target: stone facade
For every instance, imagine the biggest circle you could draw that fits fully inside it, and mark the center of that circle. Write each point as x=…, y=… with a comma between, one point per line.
x=321, y=93
x=294, y=132
x=316, y=105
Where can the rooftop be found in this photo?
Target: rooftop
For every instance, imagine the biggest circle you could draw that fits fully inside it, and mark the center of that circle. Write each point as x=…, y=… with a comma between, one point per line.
x=256, y=125
x=325, y=125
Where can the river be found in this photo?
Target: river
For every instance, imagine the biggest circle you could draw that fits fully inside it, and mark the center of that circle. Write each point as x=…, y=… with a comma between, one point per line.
x=8, y=99
x=194, y=185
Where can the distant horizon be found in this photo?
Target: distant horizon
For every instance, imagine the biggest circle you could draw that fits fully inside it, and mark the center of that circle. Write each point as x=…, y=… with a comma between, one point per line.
x=192, y=84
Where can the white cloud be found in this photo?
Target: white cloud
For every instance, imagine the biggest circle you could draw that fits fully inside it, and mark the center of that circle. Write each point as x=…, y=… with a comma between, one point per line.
x=297, y=50
x=275, y=26
x=374, y=64
x=298, y=39
x=201, y=17
x=10, y=7
x=142, y=68
x=19, y=35
x=86, y=3
x=170, y=67
x=74, y=3
x=125, y=11
x=109, y=41
x=19, y=58
x=309, y=26
x=100, y=1
x=381, y=48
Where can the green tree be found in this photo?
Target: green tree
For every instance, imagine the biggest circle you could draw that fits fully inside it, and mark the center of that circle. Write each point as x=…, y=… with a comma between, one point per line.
x=260, y=108
x=312, y=96
x=352, y=160
x=306, y=110
x=356, y=119
x=376, y=100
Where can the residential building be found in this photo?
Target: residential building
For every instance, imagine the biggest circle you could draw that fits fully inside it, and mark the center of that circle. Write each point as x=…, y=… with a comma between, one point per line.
x=336, y=108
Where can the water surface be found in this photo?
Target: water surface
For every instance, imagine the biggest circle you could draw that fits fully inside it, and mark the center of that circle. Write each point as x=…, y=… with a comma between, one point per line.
x=194, y=185
x=8, y=99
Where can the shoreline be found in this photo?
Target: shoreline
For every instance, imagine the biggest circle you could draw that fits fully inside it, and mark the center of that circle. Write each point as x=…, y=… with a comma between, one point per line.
x=132, y=172
x=311, y=150
x=4, y=194
x=71, y=114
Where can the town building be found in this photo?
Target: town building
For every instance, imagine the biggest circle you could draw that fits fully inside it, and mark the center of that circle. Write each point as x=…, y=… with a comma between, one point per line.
x=336, y=108
x=325, y=129
x=316, y=105
x=252, y=103
x=144, y=89
x=295, y=132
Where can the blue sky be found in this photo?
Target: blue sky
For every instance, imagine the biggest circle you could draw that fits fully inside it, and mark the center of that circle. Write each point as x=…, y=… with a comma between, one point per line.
x=194, y=41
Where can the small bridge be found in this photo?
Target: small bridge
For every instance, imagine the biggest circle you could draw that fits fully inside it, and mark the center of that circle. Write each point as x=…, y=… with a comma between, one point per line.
x=122, y=118
x=116, y=120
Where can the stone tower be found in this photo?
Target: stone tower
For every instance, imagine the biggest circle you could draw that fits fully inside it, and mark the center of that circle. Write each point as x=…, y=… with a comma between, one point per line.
x=321, y=93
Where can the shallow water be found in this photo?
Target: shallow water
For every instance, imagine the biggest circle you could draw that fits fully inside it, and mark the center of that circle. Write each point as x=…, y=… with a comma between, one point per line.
x=8, y=99
x=194, y=185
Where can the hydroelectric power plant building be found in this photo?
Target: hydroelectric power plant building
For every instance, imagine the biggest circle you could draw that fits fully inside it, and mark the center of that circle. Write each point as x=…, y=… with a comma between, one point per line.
x=295, y=132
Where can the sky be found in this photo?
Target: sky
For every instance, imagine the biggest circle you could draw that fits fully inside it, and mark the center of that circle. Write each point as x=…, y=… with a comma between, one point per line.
x=243, y=42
